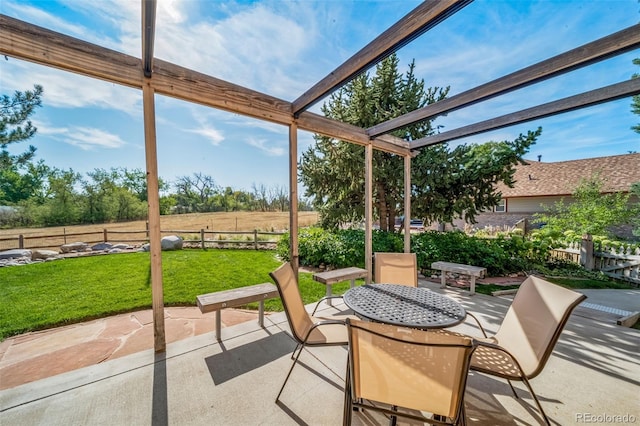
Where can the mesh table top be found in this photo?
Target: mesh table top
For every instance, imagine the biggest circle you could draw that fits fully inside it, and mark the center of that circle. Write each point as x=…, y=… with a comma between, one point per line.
x=406, y=306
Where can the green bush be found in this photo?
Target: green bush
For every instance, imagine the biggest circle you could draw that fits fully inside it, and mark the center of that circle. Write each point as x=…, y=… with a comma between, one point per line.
x=344, y=248
x=338, y=249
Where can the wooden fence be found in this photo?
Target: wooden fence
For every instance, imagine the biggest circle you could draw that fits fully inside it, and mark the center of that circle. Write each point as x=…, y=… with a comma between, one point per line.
x=203, y=238
x=621, y=263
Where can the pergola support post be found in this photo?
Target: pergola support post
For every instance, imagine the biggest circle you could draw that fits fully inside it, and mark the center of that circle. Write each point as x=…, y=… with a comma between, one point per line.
x=293, y=196
x=407, y=203
x=368, y=210
x=153, y=199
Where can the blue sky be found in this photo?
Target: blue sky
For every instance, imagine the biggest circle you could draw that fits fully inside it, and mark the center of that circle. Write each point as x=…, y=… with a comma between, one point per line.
x=282, y=48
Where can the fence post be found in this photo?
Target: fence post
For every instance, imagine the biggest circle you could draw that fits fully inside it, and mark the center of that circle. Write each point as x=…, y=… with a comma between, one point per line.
x=202, y=239
x=21, y=242
x=255, y=239
x=586, y=252
x=104, y=235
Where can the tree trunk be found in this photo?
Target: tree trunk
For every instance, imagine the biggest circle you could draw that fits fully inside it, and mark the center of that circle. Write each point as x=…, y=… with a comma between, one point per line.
x=383, y=212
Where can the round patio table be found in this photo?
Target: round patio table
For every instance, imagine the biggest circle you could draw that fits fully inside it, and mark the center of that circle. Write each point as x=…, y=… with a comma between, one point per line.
x=414, y=307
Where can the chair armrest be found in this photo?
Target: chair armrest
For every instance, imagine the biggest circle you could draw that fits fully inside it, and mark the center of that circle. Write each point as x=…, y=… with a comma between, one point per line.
x=484, y=333
x=321, y=323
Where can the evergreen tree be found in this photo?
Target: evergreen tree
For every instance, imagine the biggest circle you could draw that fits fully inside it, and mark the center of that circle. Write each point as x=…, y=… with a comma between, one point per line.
x=445, y=184
x=635, y=100
x=16, y=181
x=15, y=125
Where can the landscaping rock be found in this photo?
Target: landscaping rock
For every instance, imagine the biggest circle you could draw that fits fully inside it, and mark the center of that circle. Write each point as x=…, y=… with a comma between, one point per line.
x=15, y=261
x=171, y=242
x=102, y=247
x=15, y=254
x=74, y=247
x=44, y=255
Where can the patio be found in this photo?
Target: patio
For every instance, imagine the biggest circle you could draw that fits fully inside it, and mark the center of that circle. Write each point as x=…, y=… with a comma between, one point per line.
x=593, y=372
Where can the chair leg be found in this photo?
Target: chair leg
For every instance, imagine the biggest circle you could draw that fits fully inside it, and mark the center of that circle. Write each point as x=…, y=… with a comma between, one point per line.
x=348, y=403
x=513, y=389
x=293, y=354
x=290, y=370
x=462, y=414
x=393, y=420
x=535, y=398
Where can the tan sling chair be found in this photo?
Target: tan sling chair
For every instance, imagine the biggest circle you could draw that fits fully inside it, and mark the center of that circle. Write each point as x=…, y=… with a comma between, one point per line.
x=401, y=371
x=306, y=329
x=396, y=268
x=528, y=333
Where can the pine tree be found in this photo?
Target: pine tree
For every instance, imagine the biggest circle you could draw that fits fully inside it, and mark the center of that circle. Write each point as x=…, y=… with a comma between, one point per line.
x=635, y=100
x=15, y=125
x=445, y=184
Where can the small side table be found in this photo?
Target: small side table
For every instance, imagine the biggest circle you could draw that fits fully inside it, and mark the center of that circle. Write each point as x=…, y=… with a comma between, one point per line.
x=329, y=278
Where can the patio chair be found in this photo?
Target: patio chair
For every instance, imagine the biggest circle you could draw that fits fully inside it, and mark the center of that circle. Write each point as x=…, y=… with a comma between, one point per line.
x=306, y=329
x=528, y=333
x=396, y=268
x=402, y=372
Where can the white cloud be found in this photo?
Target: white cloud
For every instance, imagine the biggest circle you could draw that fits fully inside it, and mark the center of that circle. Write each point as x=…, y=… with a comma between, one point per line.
x=214, y=136
x=85, y=138
x=262, y=144
x=252, y=47
x=66, y=90
x=40, y=17
x=89, y=138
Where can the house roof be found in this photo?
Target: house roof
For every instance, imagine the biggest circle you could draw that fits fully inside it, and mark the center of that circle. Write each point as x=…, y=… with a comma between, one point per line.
x=536, y=179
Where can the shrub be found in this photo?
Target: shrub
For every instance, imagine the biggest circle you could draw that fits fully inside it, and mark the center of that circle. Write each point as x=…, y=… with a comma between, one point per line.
x=344, y=248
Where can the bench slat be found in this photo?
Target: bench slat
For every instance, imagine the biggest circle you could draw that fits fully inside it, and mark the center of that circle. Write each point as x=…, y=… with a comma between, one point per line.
x=338, y=275
x=236, y=297
x=459, y=268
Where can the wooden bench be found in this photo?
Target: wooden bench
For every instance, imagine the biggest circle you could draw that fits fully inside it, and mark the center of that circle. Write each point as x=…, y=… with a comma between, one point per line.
x=329, y=278
x=236, y=297
x=472, y=271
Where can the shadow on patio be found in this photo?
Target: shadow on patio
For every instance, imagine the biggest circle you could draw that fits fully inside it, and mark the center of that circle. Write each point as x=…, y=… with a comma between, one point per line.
x=594, y=371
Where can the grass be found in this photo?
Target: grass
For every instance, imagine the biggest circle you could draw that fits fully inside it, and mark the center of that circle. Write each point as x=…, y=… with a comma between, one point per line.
x=51, y=294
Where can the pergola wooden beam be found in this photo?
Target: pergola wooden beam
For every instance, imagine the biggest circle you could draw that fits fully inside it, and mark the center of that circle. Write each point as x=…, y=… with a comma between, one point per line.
x=605, y=94
x=148, y=35
x=424, y=17
x=604, y=48
x=35, y=44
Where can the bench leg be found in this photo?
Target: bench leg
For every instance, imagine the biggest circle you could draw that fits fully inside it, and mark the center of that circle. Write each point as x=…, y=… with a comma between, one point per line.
x=328, y=294
x=443, y=279
x=261, y=314
x=473, y=285
x=218, y=324
x=353, y=283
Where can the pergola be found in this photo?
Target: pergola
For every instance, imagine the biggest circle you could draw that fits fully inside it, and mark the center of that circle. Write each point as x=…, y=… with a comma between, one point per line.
x=28, y=42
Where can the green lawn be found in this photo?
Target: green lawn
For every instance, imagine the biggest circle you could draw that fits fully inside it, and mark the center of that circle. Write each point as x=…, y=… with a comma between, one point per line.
x=50, y=294
x=65, y=291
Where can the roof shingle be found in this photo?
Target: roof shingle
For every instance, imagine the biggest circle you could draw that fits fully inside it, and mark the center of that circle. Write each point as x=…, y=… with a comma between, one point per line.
x=536, y=178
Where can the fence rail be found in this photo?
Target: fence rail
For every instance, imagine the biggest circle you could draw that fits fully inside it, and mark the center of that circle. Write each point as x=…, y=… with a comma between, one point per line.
x=203, y=237
x=621, y=263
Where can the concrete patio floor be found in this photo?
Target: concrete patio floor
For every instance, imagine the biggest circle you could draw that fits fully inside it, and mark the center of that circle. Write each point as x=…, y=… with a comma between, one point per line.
x=594, y=374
